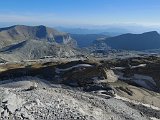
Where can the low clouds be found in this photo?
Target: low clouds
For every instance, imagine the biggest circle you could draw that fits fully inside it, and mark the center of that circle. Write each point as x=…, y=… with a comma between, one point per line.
x=27, y=18
x=52, y=19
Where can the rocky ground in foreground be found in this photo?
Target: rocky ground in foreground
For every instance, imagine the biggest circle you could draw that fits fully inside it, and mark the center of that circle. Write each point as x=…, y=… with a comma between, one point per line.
x=46, y=102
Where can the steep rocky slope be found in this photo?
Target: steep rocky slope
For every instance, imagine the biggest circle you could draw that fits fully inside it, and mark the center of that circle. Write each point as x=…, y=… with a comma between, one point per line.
x=20, y=33
x=33, y=49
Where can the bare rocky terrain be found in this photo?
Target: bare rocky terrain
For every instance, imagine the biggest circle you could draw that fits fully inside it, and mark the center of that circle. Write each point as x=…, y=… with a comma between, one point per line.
x=54, y=102
x=84, y=89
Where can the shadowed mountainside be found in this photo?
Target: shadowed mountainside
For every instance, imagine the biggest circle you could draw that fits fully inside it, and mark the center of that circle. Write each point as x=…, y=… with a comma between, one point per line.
x=148, y=40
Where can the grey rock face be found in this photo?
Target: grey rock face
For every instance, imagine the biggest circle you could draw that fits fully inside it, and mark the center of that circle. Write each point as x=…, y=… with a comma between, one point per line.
x=33, y=49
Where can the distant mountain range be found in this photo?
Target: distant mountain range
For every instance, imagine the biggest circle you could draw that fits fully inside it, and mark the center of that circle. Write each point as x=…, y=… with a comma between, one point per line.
x=105, y=31
x=22, y=42
x=144, y=41
x=111, y=30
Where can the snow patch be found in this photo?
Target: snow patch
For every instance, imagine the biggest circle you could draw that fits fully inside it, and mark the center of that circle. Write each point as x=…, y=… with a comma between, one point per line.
x=119, y=68
x=136, y=102
x=95, y=78
x=144, y=77
x=153, y=118
x=142, y=83
x=142, y=80
x=141, y=65
x=132, y=67
x=70, y=68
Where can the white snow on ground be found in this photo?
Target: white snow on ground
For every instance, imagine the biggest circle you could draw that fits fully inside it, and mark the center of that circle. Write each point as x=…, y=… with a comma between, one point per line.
x=136, y=102
x=142, y=83
x=144, y=77
x=122, y=68
x=141, y=65
x=16, y=84
x=76, y=66
x=95, y=78
x=141, y=80
x=2, y=63
x=152, y=118
x=119, y=68
x=24, y=82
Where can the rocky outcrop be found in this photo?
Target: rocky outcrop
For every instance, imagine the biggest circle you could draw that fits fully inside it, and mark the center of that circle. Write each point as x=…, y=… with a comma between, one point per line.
x=81, y=74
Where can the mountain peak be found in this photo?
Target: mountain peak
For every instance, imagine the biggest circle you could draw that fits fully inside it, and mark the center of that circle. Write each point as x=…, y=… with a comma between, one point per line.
x=18, y=33
x=151, y=32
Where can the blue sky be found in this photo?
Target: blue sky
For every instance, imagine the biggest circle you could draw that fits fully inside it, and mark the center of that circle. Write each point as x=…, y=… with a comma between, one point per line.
x=80, y=12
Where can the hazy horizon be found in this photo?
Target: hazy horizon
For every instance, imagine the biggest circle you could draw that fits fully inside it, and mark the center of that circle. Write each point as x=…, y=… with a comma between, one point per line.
x=92, y=14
